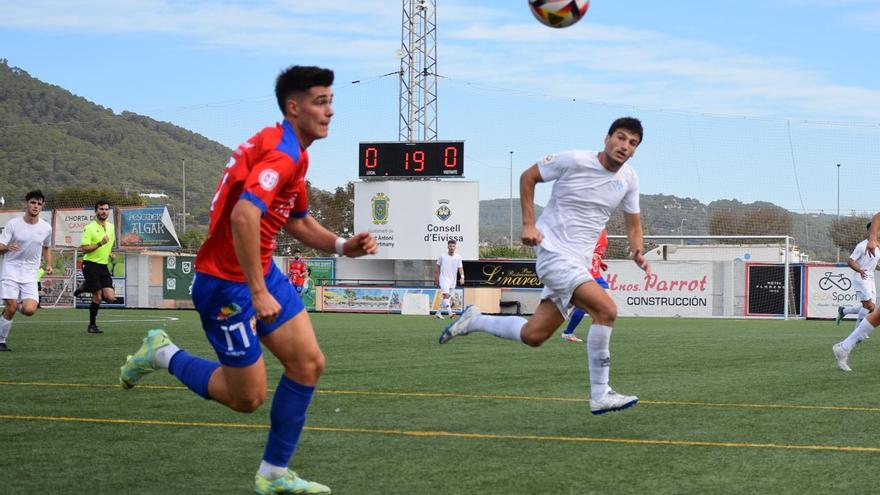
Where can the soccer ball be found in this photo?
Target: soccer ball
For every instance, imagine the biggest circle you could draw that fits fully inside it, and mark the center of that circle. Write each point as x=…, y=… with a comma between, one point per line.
x=559, y=13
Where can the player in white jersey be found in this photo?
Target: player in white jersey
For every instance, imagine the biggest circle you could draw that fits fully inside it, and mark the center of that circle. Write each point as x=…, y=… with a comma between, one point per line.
x=863, y=266
x=863, y=261
x=448, y=266
x=24, y=243
x=588, y=187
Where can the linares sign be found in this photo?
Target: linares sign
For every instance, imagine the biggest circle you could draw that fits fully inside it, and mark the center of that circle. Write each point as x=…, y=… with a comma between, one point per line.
x=413, y=220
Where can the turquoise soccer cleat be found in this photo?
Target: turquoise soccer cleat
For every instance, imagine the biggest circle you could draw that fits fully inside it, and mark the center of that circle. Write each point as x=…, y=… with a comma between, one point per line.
x=289, y=483
x=142, y=362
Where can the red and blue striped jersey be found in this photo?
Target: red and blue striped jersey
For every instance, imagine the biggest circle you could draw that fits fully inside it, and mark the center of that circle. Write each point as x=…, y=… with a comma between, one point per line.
x=269, y=170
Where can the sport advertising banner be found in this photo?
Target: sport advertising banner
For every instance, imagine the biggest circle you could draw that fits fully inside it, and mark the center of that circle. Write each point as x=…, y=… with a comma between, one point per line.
x=380, y=299
x=765, y=289
x=673, y=289
x=830, y=286
x=147, y=228
x=69, y=225
x=7, y=215
x=178, y=273
x=518, y=274
x=414, y=220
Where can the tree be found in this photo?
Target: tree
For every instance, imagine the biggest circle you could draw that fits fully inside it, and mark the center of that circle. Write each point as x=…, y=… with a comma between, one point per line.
x=846, y=232
x=192, y=239
x=73, y=197
x=750, y=220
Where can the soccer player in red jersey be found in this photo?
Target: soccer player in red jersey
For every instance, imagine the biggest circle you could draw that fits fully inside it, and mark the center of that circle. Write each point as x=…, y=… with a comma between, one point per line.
x=297, y=271
x=240, y=294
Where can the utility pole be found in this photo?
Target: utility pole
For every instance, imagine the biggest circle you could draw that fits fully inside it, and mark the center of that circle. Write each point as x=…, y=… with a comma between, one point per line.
x=418, y=72
x=183, y=165
x=511, y=200
x=838, y=207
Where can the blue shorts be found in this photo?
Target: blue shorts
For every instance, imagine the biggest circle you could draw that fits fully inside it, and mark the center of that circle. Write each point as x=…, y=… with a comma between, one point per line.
x=229, y=319
x=601, y=281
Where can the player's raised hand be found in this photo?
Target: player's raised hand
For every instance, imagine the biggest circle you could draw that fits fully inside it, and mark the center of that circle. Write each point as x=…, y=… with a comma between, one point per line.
x=531, y=236
x=266, y=306
x=359, y=245
x=49, y=270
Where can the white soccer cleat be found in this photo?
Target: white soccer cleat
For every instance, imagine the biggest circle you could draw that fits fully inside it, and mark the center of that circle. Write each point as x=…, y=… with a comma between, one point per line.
x=612, y=401
x=460, y=326
x=438, y=315
x=842, y=357
x=570, y=337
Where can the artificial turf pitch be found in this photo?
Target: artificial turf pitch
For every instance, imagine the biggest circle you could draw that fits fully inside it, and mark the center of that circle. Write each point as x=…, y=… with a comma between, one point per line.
x=727, y=406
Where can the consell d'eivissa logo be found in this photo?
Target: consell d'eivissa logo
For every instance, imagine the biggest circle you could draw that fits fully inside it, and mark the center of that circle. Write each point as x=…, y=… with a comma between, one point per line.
x=443, y=211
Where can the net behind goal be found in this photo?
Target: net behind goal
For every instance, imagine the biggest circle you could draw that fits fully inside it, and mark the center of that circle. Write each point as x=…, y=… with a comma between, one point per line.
x=709, y=276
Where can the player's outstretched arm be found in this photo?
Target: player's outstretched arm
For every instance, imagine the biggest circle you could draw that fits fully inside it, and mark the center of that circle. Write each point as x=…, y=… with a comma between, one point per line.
x=311, y=233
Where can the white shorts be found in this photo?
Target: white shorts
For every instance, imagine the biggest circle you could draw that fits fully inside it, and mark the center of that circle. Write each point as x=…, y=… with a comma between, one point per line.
x=446, y=287
x=561, y=274
x=865, y=289
x=19, y=291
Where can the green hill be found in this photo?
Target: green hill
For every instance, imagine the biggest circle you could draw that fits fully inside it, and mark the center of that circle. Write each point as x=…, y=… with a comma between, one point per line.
x=53, y=139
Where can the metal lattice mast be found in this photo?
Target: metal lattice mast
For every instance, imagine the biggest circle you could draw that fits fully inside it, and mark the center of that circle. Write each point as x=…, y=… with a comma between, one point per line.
x=418, y=71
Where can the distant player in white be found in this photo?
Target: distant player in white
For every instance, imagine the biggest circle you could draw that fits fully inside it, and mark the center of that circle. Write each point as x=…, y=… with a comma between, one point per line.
x=448, y=266
x=863, y=262
x=588, y=187
x=863, y=265
x=24, y=243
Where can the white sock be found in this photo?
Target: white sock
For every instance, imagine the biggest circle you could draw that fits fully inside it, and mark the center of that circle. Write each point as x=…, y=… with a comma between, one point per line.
x=851, y=310
x=506, y=327
x=164, y=355
x=446, y=303
x=5, y=326
x=599, y=360
x=272, y=471
x=865, y=328
x=862, y=314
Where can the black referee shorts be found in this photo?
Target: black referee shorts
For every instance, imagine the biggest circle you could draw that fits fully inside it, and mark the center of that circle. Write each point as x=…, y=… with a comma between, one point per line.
x=97, y=276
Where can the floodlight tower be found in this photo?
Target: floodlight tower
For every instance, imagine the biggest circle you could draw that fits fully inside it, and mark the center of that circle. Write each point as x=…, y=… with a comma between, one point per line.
x=418, y=72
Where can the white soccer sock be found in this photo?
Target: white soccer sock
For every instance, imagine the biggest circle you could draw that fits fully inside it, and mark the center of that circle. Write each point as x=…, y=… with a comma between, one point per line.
x=506, y=327
x=5, y=326
x=864, y=329
x=851, y=310
x=862, y=314
x=599, y=360
x=164, y=355
x=446, y=303
x=272, y=471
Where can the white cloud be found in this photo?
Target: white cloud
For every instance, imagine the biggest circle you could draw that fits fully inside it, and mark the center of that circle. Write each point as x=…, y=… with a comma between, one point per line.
x=493, y=45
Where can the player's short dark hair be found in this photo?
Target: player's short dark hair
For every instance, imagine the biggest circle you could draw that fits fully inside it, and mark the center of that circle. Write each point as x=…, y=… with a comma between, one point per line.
x=451, y=241
x=35, y=194
x=297, y=79
x=101, y=202
x=869, y=226
x=630, y=124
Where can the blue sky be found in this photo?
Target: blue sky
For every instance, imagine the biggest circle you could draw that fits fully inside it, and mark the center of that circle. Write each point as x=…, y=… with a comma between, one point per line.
x=752, y=100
